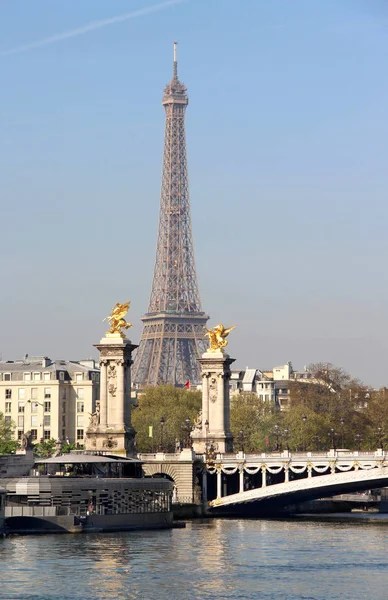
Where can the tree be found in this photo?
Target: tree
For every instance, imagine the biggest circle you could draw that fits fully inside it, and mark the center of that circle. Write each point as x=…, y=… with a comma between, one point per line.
x=376, y=414
x=170, y=404
x=7, y=444
x=251, y=421
x=45, y=448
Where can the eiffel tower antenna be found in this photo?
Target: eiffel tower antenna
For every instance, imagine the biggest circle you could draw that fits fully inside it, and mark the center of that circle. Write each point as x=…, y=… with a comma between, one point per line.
x=173, y=334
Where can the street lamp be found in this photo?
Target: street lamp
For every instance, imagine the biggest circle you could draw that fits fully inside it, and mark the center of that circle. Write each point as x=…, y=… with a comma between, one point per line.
x=286, y=434
x=32, y=402
x=358, y=441
x=342, y=423
x=332, y=435
x=276, y=432
x=379, y=434
x=187, y=429
x=304, y=419
x=162, y=422
x=241, y=438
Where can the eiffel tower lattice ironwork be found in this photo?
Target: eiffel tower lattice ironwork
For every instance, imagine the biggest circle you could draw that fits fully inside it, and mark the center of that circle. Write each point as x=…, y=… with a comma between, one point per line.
x=173, y=333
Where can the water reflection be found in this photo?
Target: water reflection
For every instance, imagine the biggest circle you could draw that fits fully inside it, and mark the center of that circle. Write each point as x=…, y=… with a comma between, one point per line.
x=209, y=559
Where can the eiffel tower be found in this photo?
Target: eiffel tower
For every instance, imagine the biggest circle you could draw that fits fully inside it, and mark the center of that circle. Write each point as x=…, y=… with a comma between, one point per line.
x=173, y=333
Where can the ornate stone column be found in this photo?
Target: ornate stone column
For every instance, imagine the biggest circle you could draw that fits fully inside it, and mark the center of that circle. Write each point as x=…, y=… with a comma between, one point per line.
x=219, y=482
x=263, y=476
x=241, y=479
x=215, y=403
x=111, y=430
x=121, y=399
x=103, y=393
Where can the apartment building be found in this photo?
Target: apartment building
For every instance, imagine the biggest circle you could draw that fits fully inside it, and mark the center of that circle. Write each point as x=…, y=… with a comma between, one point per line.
x=50, y=398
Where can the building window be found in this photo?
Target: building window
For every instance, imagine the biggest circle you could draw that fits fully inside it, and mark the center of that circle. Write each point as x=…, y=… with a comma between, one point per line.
x=34, y=407
x=80, y=435
x=8, y=394
x=37, y=377
x=63, y=407
x=80, y=393
x=46, y=421
x=61, y=375
x=80, y=421
x=8, y=407
x=47, y=434
x=34, y=393
x=64, y=394
x=34, y=421
x=46, y=376
x=7, y=377
x=8, y=419
x=21, y=421
x=27, y=377
x=21, y=393
x=34, y=434
x=64, y=434
x=63, y=420
x=47, y=406
x=21, y=407
x=80, y=407
x=20, y=434
x=47, y=392
x=79, y=376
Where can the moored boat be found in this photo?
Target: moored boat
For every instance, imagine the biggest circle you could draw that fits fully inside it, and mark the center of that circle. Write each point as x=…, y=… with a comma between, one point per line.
x=74, y=493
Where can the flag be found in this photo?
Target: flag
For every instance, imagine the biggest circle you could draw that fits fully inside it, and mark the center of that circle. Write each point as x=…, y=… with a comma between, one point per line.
x=150, y=431
x=187, y=385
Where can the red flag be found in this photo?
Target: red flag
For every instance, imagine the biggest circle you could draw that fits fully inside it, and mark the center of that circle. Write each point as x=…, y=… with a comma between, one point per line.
x=266, y=440
x=187, y=385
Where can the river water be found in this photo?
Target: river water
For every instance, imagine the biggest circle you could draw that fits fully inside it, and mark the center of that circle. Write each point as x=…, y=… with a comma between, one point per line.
x=276, y=560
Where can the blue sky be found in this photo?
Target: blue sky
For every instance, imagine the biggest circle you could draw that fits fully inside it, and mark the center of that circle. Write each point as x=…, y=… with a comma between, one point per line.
x=287, y=127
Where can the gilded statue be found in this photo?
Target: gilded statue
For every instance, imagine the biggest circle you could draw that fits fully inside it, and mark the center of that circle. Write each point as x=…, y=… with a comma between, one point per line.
x=217, y=337
x=117, y=321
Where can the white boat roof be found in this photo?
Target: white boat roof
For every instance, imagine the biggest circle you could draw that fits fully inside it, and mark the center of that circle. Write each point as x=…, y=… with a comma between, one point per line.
x=85, y=459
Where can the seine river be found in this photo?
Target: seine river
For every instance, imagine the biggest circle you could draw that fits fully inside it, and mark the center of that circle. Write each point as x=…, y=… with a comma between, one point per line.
x=301, y=560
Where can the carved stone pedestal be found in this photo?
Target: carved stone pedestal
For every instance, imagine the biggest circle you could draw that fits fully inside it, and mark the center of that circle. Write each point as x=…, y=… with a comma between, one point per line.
x=214, y=427
x=110, y=428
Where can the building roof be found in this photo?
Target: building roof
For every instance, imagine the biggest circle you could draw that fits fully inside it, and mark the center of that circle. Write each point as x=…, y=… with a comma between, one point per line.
x=249, y=375
x=42, y=363
x=72, y=459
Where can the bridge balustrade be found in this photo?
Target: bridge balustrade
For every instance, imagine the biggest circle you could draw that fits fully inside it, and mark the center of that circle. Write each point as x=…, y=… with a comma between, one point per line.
x=229, y=474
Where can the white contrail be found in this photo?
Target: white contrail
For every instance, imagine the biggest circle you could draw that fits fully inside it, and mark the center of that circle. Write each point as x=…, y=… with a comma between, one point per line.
x=91, y=27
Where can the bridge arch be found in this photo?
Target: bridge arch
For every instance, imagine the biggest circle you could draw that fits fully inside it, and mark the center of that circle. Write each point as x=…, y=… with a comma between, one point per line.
x=269, y=500
x=180, y=474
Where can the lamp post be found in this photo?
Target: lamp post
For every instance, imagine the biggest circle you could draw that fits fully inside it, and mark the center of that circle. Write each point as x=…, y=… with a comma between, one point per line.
x=286, y=434
x=317, y=442
x=358, y=441
x=379, y=434
x=162, y=422
x=31, y=401
x=276, y=432
x=304, y=419
x=342, y=423
x=187, y=428
x=332, y=435
x=241, y=438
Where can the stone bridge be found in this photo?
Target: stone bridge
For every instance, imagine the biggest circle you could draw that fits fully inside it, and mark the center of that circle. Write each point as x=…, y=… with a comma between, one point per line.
x=266, y=483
